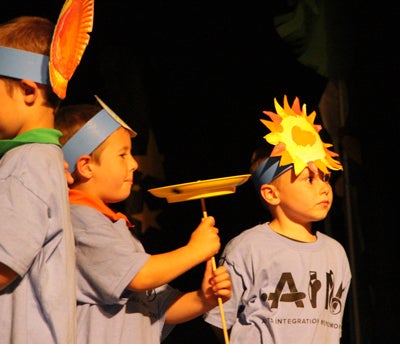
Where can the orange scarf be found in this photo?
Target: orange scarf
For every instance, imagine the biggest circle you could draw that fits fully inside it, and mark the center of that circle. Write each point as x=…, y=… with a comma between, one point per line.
x=82, y=198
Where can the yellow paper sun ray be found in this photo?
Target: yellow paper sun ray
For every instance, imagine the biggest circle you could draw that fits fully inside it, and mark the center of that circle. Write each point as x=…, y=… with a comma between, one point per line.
x=296, y=138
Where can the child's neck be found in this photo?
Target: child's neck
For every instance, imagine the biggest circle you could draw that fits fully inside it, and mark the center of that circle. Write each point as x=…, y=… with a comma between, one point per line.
x=293, y=231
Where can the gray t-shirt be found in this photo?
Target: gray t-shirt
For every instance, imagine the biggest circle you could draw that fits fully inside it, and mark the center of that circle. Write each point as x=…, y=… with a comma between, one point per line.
x=108, y=257
x=36, y=241
x=284, y=291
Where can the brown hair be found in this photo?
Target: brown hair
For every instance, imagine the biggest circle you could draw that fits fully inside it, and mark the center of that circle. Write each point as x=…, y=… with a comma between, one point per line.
x=32, y=34
x=70, y=118
x=261, y=152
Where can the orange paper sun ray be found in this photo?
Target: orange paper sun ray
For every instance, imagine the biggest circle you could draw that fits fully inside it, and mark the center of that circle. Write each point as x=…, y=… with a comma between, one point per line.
x=296, y=138
x=70, y=38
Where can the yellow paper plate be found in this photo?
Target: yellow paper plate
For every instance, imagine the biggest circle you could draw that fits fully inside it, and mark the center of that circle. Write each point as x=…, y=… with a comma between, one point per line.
x=200, y=189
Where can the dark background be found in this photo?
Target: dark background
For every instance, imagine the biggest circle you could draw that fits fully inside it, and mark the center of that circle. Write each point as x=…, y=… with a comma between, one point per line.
x=195, y=76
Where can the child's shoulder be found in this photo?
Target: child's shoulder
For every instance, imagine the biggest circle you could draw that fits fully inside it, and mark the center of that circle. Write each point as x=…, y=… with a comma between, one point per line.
x=330, y=240
x=256, y=233
x=31, y=157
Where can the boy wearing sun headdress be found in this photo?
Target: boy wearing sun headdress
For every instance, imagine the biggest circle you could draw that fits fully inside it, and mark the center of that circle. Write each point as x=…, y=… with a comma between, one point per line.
x=290, y=282
x=37, y=256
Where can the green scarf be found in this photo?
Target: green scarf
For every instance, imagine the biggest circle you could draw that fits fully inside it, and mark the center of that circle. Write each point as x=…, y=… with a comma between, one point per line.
x=40, y=135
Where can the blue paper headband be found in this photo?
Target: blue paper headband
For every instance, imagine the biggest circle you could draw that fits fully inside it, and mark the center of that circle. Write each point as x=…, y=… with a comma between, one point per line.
x=92, y=134
x=268, y=170
x=22, y=64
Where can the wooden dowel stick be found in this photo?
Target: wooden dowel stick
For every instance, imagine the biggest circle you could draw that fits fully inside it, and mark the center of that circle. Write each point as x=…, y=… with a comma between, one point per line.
x=214, y=267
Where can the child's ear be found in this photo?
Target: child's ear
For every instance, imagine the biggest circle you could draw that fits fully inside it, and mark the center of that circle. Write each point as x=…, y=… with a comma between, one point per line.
x=30, y=90
x=84, y=166
x=270, y=194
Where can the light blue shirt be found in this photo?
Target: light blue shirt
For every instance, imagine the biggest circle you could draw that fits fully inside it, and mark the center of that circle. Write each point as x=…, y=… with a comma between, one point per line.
x=108, y=258
x=284, y=291
x=36, y=241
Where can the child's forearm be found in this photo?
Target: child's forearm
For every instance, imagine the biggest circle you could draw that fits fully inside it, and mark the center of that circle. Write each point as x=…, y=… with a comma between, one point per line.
x=187, y=307
x=163, y=268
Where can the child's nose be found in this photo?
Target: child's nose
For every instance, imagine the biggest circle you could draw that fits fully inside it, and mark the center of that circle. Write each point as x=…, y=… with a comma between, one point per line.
x=133, y=164
x=325, y=186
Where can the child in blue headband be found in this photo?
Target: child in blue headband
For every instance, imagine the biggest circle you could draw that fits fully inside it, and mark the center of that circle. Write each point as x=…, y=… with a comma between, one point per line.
x=123, y=292
x=37, y=252
x=290, y=282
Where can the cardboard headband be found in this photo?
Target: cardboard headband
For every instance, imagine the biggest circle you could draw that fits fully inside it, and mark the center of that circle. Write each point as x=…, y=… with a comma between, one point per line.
x=268, y=170
x=297, y=144
x=93, y=134
x=21, y=64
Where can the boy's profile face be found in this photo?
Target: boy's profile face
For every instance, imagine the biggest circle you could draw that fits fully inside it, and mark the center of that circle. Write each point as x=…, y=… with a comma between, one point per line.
x=22, y=107
x=10, y=121
x=112, y=176
x=306, y=197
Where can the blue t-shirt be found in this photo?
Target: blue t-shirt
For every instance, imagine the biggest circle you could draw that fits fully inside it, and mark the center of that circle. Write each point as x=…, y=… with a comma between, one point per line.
x=284, y=291
x=36, y=241
x=108, y=258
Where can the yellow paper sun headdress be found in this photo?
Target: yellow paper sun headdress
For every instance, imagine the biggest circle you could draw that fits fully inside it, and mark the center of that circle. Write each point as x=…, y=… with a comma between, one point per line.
x=69, y=42
x=297, y=143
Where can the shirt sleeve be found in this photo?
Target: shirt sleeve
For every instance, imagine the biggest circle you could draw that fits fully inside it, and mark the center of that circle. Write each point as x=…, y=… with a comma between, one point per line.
x=108, y=256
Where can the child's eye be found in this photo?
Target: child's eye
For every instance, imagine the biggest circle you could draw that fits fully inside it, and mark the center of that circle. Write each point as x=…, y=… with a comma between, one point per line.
x=310, y=179
x=326, y=177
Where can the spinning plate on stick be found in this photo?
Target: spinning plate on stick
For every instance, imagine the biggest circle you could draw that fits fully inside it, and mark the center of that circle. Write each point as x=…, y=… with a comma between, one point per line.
x=202, y=189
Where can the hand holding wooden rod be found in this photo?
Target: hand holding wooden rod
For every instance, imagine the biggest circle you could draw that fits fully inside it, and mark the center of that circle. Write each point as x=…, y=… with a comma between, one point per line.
x=200, y=190
x=214, y=266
